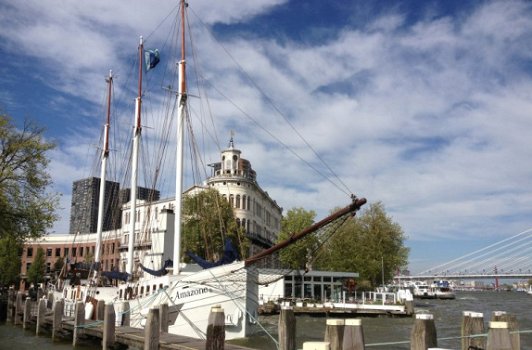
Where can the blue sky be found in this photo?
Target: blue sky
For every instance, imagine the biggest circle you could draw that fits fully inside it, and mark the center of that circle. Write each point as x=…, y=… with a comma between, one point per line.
x=423, y=105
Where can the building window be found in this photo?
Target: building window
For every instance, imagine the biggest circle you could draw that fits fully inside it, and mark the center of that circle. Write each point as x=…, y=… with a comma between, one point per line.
x=48, y=251
x=66, y=252
x=48, y=265
x=112, y=248
x=30, y=252
x=57, y=251
x=74, y=251
x=238, y=201
x=232, y=200
x=80, y=251
x=244, y=202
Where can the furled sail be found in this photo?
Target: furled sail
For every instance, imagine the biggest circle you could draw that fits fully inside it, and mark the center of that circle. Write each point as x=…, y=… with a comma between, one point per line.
x=161, y=272
x=230, y=255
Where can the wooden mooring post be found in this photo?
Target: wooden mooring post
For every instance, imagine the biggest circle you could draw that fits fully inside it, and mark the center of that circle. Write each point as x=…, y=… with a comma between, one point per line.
x=423, y=333
x=109, y=324
x=513, y=327
x=316, y=345
x=26, y=319
x=215, y=329
x=100, y=310
x=152, y=330
x=19, y=308
x=11, y=295
x=50, y=300
x=287, y=328
x=498, y=336
x=41, y=313
x=163, y=316
x=334, y=333
x=126, y=317
x=353, y=335
x=79, y=321
x=57, y=326
x=473, y=324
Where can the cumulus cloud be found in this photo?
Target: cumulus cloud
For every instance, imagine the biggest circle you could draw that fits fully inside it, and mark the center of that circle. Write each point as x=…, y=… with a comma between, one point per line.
x=429, y=116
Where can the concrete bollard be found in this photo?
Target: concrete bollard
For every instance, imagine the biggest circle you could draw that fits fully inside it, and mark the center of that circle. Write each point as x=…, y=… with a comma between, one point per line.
x=215, y=329
x=498, y=336
x=353, y=335
x=513, y=327
x=26, y=319
x=472, y=324
x=41, y=312
x=109, y=324
x=79, y=321
x=334, y=333
x=287, y=329
x=151, y=330
x=58, y=309
x=423, y=333
x=163, y=317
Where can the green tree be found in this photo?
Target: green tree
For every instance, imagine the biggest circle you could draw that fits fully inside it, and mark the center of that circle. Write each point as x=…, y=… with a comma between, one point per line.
x=58, y=264
x=10, y=251
x=37, y=269
x=371, y=244
x=26, y=208
x=296, y=255
x=208, y=220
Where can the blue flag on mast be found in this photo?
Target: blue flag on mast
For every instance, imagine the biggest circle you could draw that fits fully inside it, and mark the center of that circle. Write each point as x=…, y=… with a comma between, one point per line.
x=152, y=58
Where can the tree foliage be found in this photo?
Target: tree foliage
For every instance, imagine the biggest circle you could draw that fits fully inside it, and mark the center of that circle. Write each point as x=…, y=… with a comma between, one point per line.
x=10, y=251
x=37, y=269
x=295, y=256
x=364, y=245
x=26, y=208
x=208, y=220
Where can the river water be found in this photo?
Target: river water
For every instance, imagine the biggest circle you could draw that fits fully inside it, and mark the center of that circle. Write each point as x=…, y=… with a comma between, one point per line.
x=447, y=317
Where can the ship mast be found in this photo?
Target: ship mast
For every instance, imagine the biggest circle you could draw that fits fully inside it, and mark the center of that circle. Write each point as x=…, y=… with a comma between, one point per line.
x=181, y=113
x=105, y=155
x=134, y=167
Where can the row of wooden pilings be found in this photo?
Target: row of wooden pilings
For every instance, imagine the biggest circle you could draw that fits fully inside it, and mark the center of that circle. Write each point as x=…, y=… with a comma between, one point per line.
x=348, y=334
x=22, y=311
x=340, y=334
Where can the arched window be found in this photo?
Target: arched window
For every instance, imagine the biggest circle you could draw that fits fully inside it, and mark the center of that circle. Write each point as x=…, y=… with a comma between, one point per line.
x=244, y=202
x=232, y=200
x=237, y=204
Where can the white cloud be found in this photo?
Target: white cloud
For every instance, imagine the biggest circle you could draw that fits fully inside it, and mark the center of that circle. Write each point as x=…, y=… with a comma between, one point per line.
x=432, y=118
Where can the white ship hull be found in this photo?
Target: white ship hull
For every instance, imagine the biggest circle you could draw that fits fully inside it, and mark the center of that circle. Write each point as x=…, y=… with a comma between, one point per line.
x=190, y=298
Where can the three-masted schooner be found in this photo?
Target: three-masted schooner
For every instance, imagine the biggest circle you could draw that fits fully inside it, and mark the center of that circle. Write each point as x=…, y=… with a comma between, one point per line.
x=189, y=291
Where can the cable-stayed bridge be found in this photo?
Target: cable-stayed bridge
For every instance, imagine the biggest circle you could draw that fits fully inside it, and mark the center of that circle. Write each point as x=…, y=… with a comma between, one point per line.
x=508, y=258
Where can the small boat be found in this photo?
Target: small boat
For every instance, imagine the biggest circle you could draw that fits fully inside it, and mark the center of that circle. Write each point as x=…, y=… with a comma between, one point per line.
x=421, y=290
x=442, y=290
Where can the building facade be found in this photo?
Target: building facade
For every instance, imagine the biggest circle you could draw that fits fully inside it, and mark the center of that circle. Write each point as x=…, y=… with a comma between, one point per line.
x=84, y=207
x=233, y=177
x=254, y=210
x=70, y=249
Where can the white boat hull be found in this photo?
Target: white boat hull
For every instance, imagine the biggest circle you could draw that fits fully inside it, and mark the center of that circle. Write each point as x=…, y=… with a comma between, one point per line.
x=190, y=298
